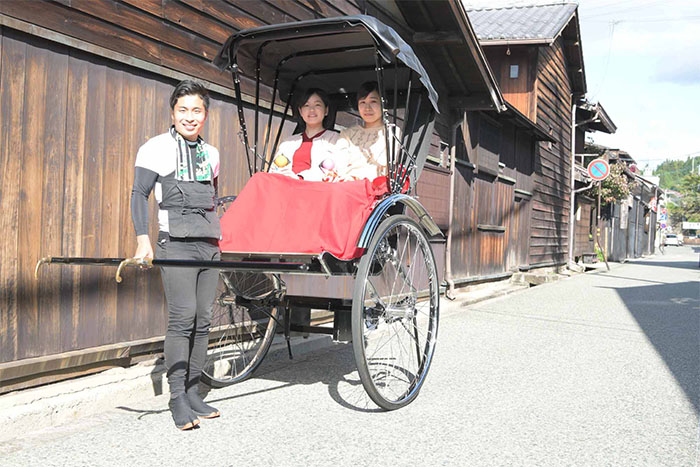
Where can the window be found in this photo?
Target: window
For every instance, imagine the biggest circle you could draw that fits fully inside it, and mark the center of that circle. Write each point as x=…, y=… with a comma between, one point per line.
x=514, y=70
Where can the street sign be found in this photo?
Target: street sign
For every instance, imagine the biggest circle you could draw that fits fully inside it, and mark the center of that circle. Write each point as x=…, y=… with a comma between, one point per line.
x=598, y=170
x=663, y=214
x=652, y=204
x=662, y=226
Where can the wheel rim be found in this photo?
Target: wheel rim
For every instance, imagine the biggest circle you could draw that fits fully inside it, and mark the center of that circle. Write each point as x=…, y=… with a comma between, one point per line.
x=399, y=314
x=240, y=333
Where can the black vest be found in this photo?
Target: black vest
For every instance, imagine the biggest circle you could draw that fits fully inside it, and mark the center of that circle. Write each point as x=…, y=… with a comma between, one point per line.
x=191, y=209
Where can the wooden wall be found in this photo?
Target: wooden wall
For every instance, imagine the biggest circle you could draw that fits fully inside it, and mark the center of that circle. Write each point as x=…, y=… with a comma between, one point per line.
x=521, y=92
x=71, y=124
x=183, y=35
x=491, y=213
x=585, y=226
x=550, y=203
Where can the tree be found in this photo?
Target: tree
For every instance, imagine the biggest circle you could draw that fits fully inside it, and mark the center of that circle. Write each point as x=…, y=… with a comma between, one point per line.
x=671, y=172
x=688, y=209
x=614, y=188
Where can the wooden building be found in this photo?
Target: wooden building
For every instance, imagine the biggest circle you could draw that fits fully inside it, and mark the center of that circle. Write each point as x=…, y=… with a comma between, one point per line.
x=629, y=226
x=589, y=118
x=536, y=55
x=83, y=83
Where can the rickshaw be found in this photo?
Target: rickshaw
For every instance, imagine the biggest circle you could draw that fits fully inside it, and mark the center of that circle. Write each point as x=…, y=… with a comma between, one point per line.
x=392, y=317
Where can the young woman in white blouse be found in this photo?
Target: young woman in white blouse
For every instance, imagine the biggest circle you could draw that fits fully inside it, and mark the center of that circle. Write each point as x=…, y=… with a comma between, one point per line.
x=307, y=155
x=362, y=148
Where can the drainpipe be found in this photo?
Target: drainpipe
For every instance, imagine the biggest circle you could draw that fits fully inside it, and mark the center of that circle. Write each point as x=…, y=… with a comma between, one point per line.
x=572, y=196
x=450, y=292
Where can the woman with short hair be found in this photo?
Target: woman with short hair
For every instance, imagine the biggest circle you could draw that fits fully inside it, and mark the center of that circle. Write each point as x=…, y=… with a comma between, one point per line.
x=309, y=154
x=363, y=146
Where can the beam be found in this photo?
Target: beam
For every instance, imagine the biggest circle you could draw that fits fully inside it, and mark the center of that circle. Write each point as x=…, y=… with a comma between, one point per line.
x=479, y=101
x=437, y=38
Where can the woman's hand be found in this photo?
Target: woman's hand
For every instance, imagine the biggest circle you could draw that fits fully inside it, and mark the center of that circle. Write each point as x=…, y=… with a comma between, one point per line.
x=143, y=247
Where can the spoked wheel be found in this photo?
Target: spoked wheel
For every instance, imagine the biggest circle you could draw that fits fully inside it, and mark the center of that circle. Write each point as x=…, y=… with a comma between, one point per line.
x=244, y=318
x=395, y=312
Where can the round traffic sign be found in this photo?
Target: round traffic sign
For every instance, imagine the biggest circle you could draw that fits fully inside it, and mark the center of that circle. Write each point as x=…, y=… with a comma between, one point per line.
x=598, y=169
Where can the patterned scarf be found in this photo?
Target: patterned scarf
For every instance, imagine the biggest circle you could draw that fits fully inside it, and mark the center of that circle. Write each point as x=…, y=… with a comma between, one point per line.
x=185, y=171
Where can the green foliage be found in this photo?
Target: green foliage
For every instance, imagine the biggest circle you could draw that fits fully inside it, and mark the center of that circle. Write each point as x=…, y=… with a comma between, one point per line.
x=688, y=208
x=599, y=253
x=590, y=147
x=671, y=173
x=614, y=188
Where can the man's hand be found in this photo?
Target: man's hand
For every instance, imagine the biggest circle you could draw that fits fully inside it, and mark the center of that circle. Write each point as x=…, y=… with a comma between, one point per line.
x=143, y=247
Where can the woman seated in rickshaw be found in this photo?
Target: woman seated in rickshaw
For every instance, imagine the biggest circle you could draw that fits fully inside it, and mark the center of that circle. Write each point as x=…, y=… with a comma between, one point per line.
x=361, y=149
x=308, y=155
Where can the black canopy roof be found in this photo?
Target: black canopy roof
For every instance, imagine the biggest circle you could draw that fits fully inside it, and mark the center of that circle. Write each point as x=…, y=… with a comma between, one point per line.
x=335, y=54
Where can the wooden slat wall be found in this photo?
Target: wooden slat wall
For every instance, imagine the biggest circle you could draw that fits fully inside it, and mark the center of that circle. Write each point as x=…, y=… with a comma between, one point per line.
x=488, y=201
x=183, y=35
x=433, y=192
x=582, y=230
x=550, y=202
x=463, y=249
x=520, y=91
x=71, y=126
x=79, y=130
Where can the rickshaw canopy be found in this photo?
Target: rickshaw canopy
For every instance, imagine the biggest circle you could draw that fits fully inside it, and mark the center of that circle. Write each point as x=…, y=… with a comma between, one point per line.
x=323, y=53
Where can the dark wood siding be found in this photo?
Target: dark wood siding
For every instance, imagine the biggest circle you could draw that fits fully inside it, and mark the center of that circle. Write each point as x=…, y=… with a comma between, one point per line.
x=584, y=227
x=491, y=213
x=550, y=203
x=71, y=126
x=519, y=91
x=183, y=35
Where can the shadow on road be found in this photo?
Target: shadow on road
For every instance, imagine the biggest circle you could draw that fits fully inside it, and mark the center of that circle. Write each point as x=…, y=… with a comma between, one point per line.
x=669, y=264
x=334, y=367
x=669, y=316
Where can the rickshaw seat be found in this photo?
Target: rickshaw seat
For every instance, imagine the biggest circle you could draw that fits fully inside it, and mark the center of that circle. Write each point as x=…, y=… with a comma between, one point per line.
x=275, y=213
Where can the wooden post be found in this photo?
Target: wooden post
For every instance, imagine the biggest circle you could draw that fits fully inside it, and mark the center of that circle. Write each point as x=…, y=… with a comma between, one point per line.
x=597, y=228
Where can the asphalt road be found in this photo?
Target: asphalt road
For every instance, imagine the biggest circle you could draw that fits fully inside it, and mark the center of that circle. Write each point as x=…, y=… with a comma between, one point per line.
x=597, y=369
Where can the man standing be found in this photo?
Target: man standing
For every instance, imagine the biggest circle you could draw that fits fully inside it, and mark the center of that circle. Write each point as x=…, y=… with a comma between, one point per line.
x=183, y=170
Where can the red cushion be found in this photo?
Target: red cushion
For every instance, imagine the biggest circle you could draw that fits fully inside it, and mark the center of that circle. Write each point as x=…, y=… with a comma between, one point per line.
x=278, y=214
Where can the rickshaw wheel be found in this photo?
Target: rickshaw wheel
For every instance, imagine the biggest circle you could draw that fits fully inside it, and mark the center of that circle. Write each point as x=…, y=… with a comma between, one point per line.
x=244, y=319
x=395, y=312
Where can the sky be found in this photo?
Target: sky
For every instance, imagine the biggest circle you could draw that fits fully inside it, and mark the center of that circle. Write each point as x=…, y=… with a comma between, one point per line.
x=642, y=63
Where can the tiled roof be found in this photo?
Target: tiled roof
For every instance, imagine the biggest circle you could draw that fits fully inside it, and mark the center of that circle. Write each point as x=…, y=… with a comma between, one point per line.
x=521, y=23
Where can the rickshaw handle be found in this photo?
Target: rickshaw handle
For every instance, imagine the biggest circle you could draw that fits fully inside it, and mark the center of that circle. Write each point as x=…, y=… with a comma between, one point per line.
x=143, y=263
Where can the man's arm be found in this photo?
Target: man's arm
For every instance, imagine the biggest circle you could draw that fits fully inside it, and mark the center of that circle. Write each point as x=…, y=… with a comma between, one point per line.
x=144, y=181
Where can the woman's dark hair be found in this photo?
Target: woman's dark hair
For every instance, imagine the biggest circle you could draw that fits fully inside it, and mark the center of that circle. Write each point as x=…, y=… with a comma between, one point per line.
x=310, y=92
x=303, y=97
x=189, y=87
x=366, y=88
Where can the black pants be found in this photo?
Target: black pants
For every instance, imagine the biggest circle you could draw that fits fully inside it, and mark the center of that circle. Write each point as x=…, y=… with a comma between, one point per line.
x=190, y=294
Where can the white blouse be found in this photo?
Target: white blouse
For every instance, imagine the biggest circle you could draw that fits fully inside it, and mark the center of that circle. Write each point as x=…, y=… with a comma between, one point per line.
x=322, y=148
x=362, y=152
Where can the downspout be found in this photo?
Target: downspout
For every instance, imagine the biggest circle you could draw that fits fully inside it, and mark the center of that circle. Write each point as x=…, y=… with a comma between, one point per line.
x=649, y=230
x=450, y=292
x=572, y=196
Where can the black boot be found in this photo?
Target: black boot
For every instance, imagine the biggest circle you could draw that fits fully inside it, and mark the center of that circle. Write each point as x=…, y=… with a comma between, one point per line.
x=183, y=416
x=199, y=407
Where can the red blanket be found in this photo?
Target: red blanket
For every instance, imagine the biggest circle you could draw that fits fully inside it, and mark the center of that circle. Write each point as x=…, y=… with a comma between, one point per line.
x=278, y=214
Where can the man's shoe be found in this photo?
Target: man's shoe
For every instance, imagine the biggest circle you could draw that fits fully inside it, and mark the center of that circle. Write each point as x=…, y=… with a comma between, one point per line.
x=199, y=407
x=183, y=416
